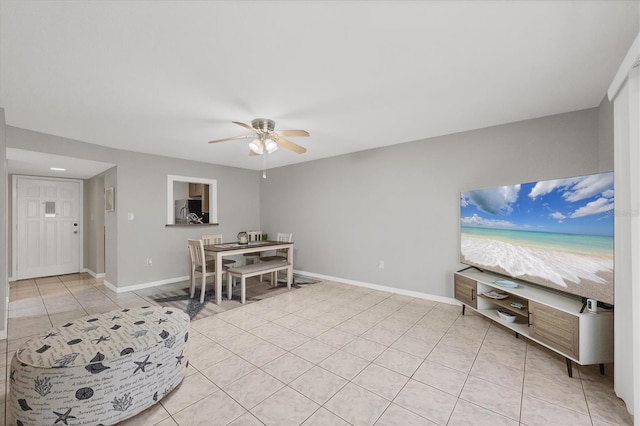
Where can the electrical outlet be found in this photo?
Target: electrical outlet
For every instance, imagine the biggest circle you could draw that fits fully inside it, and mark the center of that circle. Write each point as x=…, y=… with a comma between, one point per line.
x=149, y=262
x=381, y=264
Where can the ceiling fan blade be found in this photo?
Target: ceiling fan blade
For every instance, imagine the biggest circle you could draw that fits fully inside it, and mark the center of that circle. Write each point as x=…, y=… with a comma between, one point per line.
x=290, y=145
x=233, y=138
x=293, y=132
x=245, y=125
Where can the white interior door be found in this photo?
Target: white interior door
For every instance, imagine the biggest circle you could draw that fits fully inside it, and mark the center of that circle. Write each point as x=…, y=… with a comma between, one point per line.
x=47, y=217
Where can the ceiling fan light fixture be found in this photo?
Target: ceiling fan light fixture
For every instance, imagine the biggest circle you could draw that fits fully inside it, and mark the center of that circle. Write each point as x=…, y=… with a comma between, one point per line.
x=270, y=145
x=265, y=139
x=256, y=146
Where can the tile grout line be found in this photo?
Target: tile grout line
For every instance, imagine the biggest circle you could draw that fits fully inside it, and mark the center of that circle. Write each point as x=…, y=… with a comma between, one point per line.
x=468, y=373
x=75, y=298
x=524, y=375
x=315, y=365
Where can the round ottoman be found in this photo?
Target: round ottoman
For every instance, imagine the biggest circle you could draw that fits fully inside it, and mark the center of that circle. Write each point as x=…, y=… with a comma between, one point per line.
x=100, y=369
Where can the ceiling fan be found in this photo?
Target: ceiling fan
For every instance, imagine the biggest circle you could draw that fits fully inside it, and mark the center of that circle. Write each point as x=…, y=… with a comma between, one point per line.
x=265, y=138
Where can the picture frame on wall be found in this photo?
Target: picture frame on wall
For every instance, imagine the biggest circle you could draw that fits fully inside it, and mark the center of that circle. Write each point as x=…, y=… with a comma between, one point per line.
x=109, y=205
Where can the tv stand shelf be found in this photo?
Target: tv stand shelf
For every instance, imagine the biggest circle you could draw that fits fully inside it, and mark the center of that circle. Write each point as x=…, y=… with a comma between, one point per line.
x=506, y=304
x=549, y=318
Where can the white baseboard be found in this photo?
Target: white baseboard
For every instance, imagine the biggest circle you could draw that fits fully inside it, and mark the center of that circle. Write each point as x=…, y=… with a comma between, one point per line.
x=144, y=285
x=87, y=270
x=435, y=298
x=3, y=334
x=110, y=286
x=93, y=274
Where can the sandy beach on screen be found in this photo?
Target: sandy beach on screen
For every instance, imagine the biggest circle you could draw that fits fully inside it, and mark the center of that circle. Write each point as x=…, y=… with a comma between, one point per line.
x=563, y=269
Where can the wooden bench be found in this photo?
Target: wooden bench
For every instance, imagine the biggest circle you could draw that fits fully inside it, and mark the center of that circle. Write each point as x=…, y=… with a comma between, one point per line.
x=243, y=272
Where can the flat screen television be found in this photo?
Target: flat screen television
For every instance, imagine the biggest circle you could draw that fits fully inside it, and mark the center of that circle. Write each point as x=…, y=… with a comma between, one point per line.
x=555, y=233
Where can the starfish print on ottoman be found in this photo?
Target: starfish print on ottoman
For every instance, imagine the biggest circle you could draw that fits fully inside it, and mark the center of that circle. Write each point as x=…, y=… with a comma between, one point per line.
x=141, y=365
x=63, y=417
x=67, y=376
x=101, y=339
x=179, y=358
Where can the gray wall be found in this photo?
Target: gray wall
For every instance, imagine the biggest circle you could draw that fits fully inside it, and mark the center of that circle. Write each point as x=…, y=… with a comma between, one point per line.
x=142, y=190
x=397, y=204
x=43, y=142
x=9, y=227
x=94, y=224
x=111, y=231
x=140, y=183
x=605, y=135
x=4, y=239
x=400, y=204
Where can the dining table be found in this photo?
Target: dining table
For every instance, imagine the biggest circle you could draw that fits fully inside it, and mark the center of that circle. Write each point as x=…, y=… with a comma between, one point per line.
x=236, y=248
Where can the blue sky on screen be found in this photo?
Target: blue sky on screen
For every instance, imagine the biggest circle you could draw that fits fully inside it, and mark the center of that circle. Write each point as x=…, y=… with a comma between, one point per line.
x=578, y=205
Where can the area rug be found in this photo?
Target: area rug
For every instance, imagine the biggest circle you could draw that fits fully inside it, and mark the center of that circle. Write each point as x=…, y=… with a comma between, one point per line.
x=256, y=291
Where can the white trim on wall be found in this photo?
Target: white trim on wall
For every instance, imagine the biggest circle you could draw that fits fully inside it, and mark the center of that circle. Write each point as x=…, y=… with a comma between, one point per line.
x=142, y=286
x=93, y=274
x=630, y=61
x=624, y=93
x=418, y=295
x=393, y=290
x=213, y=196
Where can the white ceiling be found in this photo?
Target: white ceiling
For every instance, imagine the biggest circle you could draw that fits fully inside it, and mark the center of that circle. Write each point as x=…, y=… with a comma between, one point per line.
x=20, y=161
x=166, y=77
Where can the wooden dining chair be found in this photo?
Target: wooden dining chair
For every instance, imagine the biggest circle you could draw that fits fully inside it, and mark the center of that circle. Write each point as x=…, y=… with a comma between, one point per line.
x=282, y=255
x=211, y=240
x=253, y=257
x=199, y=265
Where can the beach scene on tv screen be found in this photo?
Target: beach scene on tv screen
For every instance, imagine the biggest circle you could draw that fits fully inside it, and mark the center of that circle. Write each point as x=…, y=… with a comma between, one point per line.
x=557, y=233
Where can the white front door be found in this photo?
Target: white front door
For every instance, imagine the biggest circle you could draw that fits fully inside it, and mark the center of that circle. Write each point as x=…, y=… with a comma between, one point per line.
x=47, y=217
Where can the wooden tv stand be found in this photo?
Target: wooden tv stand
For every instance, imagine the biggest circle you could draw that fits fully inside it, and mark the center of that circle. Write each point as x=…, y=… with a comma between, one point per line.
x=549, y=318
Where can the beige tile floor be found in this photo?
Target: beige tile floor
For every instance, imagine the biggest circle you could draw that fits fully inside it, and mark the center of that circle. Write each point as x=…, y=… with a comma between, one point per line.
x=334, y=354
